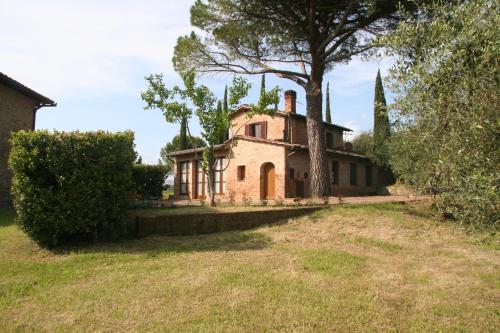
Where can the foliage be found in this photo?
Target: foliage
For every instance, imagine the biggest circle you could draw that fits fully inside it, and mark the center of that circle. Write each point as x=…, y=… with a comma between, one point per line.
x=149, y=180
x=183, y=138
x=175, y=145
x=71, y=184
x=363, y=143
x=213, y=115
x=381, y=125
x=446, y=82
x=328, y=115
x=271, y=36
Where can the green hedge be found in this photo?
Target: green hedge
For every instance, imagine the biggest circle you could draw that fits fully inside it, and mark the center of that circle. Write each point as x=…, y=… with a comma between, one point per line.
x=71, y=185
x=149, y=180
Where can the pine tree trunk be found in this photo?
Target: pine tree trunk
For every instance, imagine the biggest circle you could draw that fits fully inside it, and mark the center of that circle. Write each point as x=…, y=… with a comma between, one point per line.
x=320, y=185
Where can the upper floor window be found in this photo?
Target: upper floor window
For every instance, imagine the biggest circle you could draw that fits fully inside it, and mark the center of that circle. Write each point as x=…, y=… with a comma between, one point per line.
x=329, y=140
x=258, y=130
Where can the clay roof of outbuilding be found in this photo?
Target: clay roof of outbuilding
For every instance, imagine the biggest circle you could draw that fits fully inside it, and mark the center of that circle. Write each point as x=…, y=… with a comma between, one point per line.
x=16, y=85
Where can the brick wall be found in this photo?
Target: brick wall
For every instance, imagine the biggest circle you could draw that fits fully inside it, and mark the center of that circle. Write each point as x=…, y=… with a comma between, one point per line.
x=275, y=125
x=253, y=156
x=16, y=113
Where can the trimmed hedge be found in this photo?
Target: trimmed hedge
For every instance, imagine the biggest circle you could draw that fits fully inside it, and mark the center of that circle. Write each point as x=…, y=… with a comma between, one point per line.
x=149, y=180
x=71, y=185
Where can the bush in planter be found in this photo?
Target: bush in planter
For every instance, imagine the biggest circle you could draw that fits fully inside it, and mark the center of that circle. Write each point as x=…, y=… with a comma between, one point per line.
x=71, y=185
x=149, y=180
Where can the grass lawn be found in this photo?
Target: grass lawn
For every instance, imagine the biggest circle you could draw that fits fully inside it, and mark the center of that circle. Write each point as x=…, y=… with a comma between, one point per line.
x=387, y=267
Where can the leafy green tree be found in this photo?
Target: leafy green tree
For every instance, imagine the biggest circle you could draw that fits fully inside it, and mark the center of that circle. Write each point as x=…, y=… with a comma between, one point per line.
x=263, y=84
x=183, y=140
x=225, y=109
x=199, y=100
x=175, y=145
x=446, y=84
x=381, y=125
x=328, y=115
x=363, y=143
x=273, y=36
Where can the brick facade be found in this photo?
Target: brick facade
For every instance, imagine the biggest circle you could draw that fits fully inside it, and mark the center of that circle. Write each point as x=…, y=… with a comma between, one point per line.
x=18, y=106
x=16, y=113
x=280, y=142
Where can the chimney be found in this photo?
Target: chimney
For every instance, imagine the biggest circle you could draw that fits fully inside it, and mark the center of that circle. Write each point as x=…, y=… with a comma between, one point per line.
x=290, y=101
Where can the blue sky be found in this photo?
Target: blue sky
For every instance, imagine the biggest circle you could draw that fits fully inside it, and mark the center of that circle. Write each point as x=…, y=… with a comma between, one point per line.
x=91, y=58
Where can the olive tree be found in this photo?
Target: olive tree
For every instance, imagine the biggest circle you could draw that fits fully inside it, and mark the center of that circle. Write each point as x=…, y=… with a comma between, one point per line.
x=446, y=84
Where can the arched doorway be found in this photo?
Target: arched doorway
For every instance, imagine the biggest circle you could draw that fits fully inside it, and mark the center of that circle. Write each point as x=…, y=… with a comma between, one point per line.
x=267, y=176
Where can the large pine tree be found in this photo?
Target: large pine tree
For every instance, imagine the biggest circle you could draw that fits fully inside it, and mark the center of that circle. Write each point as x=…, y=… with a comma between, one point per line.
x=381, y=126
x=328, y=115
x=295, y=39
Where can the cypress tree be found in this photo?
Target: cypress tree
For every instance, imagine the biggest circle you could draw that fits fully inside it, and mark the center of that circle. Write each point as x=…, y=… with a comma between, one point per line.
x=263, y=86
x=220, y=111
x=328, y=116
x=183, y=135
x=381, y=126
x=225, y=109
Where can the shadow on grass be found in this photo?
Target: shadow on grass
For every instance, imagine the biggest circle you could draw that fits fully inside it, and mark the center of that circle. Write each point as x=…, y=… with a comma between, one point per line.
x=7, y=217
x=153, y=245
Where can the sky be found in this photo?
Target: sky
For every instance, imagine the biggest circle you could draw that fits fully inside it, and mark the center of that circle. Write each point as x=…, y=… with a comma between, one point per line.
x=91, y=57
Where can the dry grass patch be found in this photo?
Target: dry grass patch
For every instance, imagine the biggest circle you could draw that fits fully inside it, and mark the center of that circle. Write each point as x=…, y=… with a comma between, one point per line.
x=376, y=268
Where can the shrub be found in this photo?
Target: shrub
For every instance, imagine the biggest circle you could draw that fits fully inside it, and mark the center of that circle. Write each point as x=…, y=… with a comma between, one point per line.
x=149, y=180
x=71, y=185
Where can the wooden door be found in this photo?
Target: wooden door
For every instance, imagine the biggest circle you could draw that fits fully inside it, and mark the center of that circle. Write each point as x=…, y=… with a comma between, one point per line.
x=299, y=188
x=269, y=182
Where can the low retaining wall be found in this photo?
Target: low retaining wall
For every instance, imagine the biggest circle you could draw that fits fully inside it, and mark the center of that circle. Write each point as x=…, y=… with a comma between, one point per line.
x=193, y=224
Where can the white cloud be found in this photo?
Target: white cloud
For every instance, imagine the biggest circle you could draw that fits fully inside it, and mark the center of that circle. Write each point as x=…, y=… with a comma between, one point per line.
x=347, y=79
x=64, y=48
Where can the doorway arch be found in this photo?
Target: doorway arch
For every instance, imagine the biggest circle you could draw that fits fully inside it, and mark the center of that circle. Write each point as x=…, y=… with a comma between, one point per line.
x=267, y=180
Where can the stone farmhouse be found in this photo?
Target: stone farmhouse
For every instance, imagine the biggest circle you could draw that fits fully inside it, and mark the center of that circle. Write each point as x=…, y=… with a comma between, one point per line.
x=270, y=160
x=18, y=107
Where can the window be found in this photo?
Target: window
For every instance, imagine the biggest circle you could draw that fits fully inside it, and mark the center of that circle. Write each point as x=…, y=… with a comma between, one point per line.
x=368, y=175
x=183, y=172
x=306, y=175
x=335, y=172
x=220, y=180
x=291, y=173
x=241, y=173
x=201, y=181
x=258, y=130
x=329, y=140
x=353, y=174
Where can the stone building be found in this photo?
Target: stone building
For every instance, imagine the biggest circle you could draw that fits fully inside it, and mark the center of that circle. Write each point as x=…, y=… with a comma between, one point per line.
x=18, y=107
x=267, y=158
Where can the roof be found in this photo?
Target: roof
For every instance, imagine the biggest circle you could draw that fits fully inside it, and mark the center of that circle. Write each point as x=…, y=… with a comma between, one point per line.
x=195, y=150
x=339, y=152
x=11, y=83
x=245, y=107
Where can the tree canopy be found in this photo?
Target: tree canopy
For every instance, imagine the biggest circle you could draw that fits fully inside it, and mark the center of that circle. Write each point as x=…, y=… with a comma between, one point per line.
x=381, y=125
x=446, y=84
x=328, y=115
x=298, y=40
